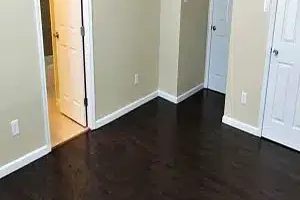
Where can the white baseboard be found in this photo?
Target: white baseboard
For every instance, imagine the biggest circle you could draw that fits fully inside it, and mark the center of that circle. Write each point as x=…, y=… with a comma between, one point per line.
x=119, y=113
x=241, y=126
x=167, y=96
x=190, y=93
x=182, y=97
x=23, y=161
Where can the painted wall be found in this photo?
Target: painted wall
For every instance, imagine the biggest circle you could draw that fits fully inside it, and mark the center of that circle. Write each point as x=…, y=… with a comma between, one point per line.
x=183, y=34
x=169, y=45
x=46, y=22
x=20, y=82
x=192, y=49
x=126, y=42
x=246, y=60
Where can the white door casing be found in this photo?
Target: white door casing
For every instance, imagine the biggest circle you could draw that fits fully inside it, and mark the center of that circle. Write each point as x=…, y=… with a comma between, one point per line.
x=282, y=108
x=68, y=22
x=219, y=45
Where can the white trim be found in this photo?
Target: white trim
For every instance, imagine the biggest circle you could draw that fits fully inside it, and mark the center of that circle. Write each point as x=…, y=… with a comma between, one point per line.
x=119, y=113
x=89, y=62
x=208, y=43
x=167, y=96
x=241, y=126
x=43, y=73
x=23, y=161
x=272, y=19
x=184, y=96
x=190, y=93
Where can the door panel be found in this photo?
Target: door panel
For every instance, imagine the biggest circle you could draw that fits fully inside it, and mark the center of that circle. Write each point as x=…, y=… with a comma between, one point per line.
x=70, y=59
x=218, y=65
x=281, y=82
x=282, y=112
x=290, y=21
x=296, y=123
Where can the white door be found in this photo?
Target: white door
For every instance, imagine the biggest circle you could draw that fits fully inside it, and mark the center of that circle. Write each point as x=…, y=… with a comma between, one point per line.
x=282, y=111
x=219, y=47
x=69, y=44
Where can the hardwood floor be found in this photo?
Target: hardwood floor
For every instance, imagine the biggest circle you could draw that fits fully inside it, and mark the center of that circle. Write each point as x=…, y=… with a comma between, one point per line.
x=162, y=151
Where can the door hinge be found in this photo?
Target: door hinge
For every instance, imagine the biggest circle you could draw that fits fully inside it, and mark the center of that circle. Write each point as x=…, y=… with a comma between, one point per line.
x=85, y=102
x=82, y=31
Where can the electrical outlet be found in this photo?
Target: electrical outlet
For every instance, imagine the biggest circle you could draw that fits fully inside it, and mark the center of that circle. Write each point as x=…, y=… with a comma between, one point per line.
x=244, y=98
x=136, y=79
x=15, y=127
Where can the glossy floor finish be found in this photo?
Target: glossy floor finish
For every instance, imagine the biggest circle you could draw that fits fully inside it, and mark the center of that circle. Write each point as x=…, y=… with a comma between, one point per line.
x=161, y=152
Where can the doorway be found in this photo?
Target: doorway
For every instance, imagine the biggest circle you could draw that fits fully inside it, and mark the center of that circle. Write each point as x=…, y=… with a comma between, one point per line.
x=282, y=105
x=220, y=14
x=63, y=34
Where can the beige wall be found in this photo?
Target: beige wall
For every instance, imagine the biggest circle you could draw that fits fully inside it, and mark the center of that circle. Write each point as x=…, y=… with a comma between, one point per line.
x=20, y=82
x=192, y=50
x=126, y=42
x=169, y=45
x=246, y=60
x=183, y=32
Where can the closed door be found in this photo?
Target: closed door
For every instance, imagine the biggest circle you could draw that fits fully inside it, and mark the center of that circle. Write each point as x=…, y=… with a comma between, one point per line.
x=69, y=55
x=282, y=110
x=219, y=47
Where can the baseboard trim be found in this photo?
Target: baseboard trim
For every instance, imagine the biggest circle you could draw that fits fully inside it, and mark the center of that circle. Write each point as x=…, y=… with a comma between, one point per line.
x=241, y=126
x=167, y=96
x=119, y=113
x=182, y=97
x=190, y=93
x=23, y=161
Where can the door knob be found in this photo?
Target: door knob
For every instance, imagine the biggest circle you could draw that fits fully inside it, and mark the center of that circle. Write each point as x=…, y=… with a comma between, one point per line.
x=214, y=28
x=56, y=35
x=275, y=52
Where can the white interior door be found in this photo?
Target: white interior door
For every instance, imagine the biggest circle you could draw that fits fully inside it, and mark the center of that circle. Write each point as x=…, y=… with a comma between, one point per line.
x=282, y=110
x=69, y=44
x=219, y=47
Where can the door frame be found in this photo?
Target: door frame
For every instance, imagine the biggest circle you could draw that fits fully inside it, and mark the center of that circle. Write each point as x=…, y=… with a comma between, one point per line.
x=89, y=66
x=272, y=20
x=209, y=39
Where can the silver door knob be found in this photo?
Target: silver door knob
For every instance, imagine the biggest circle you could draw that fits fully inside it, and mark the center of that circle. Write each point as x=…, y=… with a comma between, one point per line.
x=275, y=52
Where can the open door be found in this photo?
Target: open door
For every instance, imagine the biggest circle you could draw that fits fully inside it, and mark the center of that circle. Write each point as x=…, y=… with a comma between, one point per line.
x=68, y=38
x=219, y=46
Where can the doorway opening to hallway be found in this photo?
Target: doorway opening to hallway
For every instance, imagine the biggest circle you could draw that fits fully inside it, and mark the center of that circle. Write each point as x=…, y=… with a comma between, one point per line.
x=217, y=52
x=63, y=39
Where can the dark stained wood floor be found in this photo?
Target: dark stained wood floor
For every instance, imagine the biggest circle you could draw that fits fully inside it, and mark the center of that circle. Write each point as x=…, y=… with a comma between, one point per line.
x=159, y=152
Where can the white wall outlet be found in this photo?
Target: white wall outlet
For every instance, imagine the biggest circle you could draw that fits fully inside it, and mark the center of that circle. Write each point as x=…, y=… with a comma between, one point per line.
x=136, y=79
x=15, y=127
x=244, y=98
